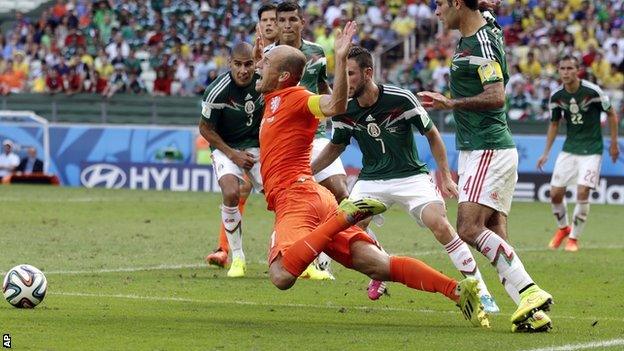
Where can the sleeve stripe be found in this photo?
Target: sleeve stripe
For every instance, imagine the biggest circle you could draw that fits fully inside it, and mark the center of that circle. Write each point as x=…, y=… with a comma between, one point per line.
x=486, y=45
x=314, y=104
x=217, y=90
x=408, y=94
x=207, y=104
x=604, y=98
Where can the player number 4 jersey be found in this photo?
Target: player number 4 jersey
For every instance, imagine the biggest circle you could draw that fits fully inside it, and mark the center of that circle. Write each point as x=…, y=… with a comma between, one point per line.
x=581, y=110
x=479, y=60
x=384, y=132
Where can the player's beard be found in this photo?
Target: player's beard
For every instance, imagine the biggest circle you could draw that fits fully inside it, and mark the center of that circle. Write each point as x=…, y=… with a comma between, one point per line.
x=359, y=90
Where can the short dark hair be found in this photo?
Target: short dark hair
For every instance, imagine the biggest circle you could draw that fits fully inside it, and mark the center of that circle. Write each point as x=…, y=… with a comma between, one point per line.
x=471, y=4
x=362, y=56
x=288, y=6
x=266, y=7
x=571, y=58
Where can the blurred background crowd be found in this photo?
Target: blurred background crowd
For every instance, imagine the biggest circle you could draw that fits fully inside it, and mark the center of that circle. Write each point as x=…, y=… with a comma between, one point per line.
x=177, y=47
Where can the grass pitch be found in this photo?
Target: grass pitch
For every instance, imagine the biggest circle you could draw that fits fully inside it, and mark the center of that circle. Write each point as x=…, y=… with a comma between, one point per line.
x=125, y=271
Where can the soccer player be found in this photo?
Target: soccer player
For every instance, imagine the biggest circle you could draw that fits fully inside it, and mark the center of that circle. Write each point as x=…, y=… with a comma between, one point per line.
x=268, y=29
x=231, y=114
x=488, y=159
x=290, y=23
x=580, y=103
x=308, y=220
x=380, y=118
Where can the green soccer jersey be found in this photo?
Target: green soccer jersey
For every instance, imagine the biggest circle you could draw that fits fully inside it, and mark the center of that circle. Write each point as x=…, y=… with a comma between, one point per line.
x=314, y=72
x=480, y=60
x=384, y=133
x=581, y=111
x=235, y=111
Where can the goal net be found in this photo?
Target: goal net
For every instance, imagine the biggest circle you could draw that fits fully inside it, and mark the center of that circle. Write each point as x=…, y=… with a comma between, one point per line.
x=26, y=129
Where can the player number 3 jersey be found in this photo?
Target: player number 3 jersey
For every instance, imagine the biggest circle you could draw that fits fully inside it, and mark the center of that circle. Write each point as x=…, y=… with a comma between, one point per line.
x=235, y=111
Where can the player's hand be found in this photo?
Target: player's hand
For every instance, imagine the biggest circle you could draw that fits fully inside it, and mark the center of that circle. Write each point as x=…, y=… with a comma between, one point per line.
x=259, y=44
x=342, y=44
x=489, y=4
x=449, y=187
x=243, y=159
x=541, y=162
x=435, y=100
x=614, y=151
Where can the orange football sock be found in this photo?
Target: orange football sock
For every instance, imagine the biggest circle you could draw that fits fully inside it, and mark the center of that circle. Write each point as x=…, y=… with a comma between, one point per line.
x=223, y=241
x=418, y=275
x=303, y=251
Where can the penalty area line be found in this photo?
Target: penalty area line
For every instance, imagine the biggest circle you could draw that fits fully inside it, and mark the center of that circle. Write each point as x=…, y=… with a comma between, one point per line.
x=584, y=346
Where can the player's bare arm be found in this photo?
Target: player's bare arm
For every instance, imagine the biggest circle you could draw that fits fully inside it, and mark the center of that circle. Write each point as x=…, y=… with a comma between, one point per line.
x=240, y=158
x=336, y=103
x=329, y=154
x=614, y=149
x=259, y=44
x=438, y=149
x=492, y=97
x=550, y=138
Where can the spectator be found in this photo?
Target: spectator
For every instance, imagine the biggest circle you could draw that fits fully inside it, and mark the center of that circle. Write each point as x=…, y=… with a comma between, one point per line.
x=30, y=164
x=8, y=159
x=74, y=82
x=118, y=82
x=54, y=82
x=135, y=84
x=531, y=67
x=192, y=86
x=614, y=55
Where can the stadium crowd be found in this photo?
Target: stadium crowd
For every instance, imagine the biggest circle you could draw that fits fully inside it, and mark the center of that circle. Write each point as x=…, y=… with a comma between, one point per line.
x=177, y=47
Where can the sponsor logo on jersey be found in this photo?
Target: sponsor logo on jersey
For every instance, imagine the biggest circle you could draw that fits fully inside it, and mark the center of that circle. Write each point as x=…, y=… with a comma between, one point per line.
x=370, y=118
x=248, y=96
x=275, y=102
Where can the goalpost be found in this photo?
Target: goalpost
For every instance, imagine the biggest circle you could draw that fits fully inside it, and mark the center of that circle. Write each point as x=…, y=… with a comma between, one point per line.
x=20, y=121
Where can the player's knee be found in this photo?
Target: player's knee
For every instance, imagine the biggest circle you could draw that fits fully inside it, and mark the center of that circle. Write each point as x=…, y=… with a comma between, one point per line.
x=370, y=260
x=281, y=279
x=230, y=196
x=468, y=231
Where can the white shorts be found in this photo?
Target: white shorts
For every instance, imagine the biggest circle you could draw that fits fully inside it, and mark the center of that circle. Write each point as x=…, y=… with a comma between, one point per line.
x=573, y=169
x=488, y=177
x=412, y=193
x=223, y=165
x=334, y=168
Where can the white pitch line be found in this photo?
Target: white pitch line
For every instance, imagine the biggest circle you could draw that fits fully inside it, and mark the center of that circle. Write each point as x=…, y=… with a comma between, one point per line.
x=297, y=305
x=161, y=267
x=584, y=346
x=200, y=265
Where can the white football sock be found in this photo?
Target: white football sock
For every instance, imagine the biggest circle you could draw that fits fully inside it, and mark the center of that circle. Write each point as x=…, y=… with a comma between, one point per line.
x=561, y=213
x=503, y=257
x=231, y=219
x=581, y=210
x=462, y=258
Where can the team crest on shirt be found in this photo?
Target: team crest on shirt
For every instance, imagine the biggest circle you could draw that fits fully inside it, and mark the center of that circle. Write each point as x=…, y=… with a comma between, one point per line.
x=373, y=130
x=249, y=107
x=275, y=102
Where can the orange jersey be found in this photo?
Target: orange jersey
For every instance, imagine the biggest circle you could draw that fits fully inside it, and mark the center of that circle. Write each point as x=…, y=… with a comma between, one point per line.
x=291, y=117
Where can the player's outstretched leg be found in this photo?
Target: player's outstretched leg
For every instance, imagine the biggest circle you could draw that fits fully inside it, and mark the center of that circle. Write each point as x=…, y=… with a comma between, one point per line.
x=370, y=260
x=284, y=270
